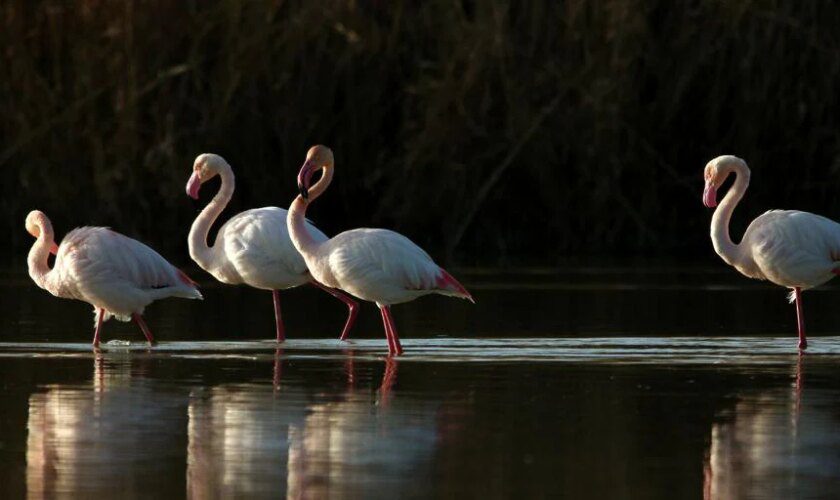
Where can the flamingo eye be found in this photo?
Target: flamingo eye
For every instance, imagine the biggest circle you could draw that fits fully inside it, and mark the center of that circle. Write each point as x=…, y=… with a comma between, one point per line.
x=201, y=168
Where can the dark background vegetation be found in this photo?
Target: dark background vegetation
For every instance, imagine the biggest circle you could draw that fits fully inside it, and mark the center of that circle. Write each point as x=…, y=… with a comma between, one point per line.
x=491, y=132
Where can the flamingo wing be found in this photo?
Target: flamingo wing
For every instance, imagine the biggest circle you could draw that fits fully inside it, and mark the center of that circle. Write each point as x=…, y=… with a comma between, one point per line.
x=258, y=249
x=96, y=261
x=794, y=248
x=387, y=267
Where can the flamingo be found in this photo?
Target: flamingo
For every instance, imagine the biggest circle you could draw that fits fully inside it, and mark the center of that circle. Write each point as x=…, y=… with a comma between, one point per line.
x=118, y=275
x=793, y=249
x=252, y=247
x=376, y=265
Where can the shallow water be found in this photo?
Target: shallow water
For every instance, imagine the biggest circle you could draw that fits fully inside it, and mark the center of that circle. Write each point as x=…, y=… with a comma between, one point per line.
x=611, y=383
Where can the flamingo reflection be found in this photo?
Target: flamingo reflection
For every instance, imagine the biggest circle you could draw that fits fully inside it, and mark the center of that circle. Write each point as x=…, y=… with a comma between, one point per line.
x=89, y=438
x=247, y=439
x=778, y=443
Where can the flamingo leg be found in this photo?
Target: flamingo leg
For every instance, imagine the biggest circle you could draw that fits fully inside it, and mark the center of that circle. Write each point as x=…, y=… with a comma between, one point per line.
x=800, y=319
x=100, y=315
x=351, y=304
x=395, y=339
x=388, y=337
x=143, y=326
x=278, y=319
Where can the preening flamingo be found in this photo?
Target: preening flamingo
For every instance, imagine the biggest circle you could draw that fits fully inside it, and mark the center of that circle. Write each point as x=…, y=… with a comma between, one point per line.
x=252, y=247
x=118, y=275
x=797, y=250
x=376, y=265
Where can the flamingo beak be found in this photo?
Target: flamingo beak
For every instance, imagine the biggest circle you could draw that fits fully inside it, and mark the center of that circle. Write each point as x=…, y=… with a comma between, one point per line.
x=304, y=178
x=54, y=249
x=193, y=185
x=710, y=195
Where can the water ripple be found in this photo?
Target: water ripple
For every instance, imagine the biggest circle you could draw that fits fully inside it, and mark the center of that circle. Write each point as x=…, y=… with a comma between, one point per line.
x=645, y=350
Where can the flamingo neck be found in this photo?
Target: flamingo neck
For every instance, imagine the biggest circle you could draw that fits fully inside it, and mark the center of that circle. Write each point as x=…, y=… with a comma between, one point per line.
x=729, y=251
x=39, y=254
x=200, y=252
x=301, y=237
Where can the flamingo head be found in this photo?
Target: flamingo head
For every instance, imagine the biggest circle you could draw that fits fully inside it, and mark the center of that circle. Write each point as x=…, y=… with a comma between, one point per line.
x=37, y=223
x=715, y=174
x=205, y=167
x=317, y=158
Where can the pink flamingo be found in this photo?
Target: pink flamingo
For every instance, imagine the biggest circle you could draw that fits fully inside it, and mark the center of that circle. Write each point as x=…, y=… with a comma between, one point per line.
x=797, y=250
x=118, y=275
x=376, y=265
x=252, y=247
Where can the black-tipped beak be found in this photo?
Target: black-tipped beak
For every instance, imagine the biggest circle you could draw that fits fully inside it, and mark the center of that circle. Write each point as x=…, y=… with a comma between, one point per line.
x=303, y=179
x=304, y=191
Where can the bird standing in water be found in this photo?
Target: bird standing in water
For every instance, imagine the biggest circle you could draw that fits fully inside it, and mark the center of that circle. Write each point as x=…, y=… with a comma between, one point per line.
x=118, y=275
x=793, y=249
x=376, y=265
x=252, y=247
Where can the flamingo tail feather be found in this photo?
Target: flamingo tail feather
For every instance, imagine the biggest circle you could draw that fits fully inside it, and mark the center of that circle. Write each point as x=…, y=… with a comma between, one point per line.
x=450, y=286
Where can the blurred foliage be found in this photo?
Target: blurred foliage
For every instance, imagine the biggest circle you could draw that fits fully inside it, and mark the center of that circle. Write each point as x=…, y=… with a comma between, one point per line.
x=491, y=132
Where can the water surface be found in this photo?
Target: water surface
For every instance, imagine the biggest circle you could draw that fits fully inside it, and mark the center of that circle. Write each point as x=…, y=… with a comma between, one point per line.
x=615, y=383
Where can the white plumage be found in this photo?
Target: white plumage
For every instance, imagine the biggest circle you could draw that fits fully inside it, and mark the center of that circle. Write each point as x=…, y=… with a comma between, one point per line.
x=118, y=275
x=797, y=250
x=792, y=248
x=252, y=247
x=377, y=265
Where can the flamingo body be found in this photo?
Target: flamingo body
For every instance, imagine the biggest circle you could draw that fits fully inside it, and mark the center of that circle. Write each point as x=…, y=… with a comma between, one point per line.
x=791, y=249
x=797, y=250
x=381, y=266
x=252, y=247
x=116, y=274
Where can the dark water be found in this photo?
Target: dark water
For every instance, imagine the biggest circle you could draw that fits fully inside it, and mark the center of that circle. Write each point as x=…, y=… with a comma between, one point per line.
x=586, y=383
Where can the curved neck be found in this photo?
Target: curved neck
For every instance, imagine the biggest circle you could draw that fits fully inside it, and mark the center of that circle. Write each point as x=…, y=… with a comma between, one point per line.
x=301, y=237
x=39, y=254
x=724, y=246
x=200, y=252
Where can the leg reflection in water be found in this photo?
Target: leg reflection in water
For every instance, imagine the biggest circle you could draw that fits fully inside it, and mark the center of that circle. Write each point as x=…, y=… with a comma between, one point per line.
x=388, y=380
x=310, y=438
x=775, y=443
x=87, y=436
